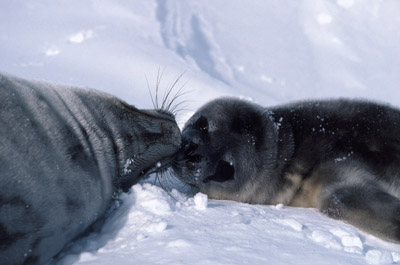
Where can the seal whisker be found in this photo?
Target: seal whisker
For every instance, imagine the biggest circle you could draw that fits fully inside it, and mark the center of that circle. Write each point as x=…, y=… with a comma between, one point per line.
x=167, y=92
x=171, y=88
x=161, y=175
x=151, y=94
x=171, y=180
x=167, y=103
x=158, y=82
x=180, y=104
x=165, y=96
x=180, y=110
x=178, y=95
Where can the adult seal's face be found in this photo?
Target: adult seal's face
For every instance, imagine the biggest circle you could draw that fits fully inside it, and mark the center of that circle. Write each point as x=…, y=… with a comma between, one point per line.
x=154, y=137
x=226, y=149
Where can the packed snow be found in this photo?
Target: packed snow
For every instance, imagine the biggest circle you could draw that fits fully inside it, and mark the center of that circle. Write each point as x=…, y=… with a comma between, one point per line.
x=271, y=52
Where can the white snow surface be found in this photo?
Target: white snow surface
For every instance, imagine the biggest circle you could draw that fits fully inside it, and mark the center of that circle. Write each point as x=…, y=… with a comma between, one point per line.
x=271, y=52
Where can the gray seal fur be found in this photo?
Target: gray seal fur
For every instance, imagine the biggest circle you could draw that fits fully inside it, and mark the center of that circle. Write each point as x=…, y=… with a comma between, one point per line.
x=341, y=157
x=64, y=153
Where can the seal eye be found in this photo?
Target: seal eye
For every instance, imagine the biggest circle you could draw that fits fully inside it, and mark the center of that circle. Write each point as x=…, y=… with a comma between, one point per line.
x=224, y=172
x=201, y=124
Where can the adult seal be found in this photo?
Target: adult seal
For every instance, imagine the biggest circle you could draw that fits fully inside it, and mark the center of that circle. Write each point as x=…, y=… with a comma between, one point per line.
x=64, y=153
x=339, y=156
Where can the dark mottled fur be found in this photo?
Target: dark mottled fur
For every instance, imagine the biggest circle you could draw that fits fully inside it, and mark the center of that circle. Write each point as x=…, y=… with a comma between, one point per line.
x=339, y=156
x=63, y=155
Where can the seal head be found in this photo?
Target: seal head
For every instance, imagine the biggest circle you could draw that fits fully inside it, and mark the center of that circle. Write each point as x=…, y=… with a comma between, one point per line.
x=64, y=153
x=226, y=145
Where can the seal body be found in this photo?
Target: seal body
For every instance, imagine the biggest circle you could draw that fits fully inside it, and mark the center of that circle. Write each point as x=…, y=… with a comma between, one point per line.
x=339, y=156
x=64, y=153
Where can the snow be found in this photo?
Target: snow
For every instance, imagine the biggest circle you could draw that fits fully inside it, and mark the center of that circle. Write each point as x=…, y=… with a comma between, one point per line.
x=271, y=52
x=152, y=228
x=379, y=257
x=200, y=201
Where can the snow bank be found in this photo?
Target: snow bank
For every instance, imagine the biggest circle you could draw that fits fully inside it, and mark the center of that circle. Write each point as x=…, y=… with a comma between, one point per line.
x=153, y=228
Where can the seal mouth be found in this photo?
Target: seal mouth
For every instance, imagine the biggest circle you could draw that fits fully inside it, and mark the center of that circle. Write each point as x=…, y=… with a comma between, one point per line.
x=225, y=171
x=125, y=183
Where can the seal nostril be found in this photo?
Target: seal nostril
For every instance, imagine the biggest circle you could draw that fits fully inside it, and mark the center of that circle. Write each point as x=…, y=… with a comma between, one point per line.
x=189, y=147
x=194, y=159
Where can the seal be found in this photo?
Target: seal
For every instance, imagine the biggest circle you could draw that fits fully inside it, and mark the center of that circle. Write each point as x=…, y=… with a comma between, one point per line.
x=64, y=153
x=341, y=157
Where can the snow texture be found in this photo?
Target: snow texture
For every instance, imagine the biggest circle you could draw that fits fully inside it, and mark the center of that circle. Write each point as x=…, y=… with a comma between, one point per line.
x=270, y=52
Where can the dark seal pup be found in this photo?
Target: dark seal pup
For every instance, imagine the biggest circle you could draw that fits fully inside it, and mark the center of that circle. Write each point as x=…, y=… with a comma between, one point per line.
x=64, y=152
x=339, y=156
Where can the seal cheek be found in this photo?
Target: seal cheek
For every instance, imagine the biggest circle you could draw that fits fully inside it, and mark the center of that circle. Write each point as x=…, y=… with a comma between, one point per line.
x=225, y=171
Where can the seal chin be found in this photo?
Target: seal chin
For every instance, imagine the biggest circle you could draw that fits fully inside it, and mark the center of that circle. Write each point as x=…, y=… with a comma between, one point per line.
x=139, y=168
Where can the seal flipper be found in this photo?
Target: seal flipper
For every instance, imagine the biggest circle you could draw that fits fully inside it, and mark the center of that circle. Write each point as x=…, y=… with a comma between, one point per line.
x=367, y=207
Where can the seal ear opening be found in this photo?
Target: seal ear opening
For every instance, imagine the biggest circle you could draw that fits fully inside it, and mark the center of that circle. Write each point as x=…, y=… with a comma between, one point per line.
x=224, y=172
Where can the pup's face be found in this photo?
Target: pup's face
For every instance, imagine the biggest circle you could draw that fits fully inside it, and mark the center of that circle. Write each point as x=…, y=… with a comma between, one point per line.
x=225, y=150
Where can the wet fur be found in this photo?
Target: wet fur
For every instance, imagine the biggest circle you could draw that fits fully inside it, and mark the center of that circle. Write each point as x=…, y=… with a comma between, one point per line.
x=64, y=154
x=339, y=156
